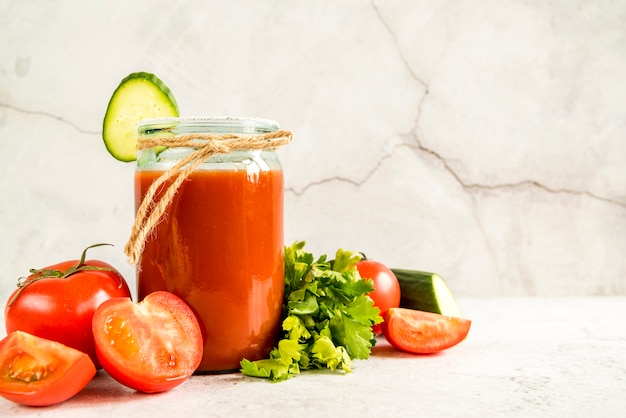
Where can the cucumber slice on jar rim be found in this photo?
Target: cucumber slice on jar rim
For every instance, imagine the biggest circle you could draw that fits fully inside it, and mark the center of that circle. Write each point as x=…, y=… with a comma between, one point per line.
x=139, y=96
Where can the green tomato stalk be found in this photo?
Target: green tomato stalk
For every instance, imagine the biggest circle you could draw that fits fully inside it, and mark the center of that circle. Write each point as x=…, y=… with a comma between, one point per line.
x=40, y=274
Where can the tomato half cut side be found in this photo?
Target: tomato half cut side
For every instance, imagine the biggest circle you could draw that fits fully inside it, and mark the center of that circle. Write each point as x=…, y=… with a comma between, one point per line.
x=150, y=346
x=420, y=332
x=39, y=372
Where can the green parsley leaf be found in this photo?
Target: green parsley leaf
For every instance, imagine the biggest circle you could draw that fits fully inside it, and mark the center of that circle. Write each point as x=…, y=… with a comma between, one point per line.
x=328, y=316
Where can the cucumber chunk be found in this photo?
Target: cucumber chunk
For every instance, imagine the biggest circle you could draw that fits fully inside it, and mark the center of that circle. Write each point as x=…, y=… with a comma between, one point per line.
x=139, y=96
x=425, y=291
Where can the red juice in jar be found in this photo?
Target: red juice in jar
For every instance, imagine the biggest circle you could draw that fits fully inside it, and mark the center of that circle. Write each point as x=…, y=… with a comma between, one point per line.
x=219, y=245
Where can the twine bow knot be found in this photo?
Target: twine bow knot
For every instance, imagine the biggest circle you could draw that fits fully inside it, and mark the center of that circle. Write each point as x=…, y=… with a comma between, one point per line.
x=152, y=209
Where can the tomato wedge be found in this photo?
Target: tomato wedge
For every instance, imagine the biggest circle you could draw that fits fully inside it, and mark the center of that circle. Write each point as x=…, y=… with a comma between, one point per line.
x=422, y=332
x=38, y=372
x=150, y=346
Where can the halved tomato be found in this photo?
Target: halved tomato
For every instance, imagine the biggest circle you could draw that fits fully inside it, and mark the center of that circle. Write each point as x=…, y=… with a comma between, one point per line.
x=38, y=372
x=422, y=332
x=150, y=346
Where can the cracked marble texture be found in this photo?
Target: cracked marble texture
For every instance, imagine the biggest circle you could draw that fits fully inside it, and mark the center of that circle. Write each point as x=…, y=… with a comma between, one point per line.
x=483, y=140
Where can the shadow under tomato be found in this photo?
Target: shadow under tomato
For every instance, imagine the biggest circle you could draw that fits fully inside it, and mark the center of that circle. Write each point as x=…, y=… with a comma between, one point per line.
x=103, y=389
x=384, y=349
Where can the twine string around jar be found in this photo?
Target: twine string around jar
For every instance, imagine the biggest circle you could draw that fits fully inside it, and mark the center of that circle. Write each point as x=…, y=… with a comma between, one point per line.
x=153, y=208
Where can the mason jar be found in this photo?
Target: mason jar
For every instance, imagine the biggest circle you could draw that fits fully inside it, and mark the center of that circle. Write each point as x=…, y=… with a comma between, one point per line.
x=219, y=244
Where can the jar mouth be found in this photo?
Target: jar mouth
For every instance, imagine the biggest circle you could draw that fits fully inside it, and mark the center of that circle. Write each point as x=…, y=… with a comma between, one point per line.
x=213, y=124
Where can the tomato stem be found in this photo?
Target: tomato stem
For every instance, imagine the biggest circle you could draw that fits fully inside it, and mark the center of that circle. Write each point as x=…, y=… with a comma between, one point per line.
x=39, y=274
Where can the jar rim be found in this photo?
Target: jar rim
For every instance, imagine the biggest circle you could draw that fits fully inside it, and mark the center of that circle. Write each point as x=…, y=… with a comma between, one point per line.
x=211, y=124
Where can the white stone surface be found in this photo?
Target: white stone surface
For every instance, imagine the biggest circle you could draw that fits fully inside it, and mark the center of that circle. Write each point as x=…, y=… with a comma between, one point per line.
x=481, y=140
x=523, y=357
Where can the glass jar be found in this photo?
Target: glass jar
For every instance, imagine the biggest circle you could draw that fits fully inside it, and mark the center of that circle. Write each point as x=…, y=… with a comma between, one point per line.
x=219, y=245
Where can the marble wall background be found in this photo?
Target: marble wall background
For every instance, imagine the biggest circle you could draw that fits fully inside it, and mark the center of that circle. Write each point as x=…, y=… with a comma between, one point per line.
x=485, y=141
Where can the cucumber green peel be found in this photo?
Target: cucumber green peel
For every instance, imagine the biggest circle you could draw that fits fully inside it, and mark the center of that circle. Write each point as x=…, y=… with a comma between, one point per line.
x=139, y=96
x=425, y=291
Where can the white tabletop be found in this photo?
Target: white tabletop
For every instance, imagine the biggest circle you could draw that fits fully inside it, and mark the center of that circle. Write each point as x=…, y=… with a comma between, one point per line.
x=522, y=357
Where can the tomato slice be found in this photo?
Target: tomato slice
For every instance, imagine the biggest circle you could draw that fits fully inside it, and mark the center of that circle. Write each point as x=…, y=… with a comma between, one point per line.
x=150, y=346
x=422, y=332
x=38, y=372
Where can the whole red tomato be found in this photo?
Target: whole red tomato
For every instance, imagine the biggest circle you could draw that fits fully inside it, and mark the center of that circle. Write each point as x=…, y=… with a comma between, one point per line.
x=386, y=294
x=58, y=302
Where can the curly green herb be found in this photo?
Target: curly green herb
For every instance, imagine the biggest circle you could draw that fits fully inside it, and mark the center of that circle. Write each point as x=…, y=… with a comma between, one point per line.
x=328, y=316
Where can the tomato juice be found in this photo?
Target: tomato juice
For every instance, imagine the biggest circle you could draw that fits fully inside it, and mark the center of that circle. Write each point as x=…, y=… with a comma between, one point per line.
x=219, y=247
